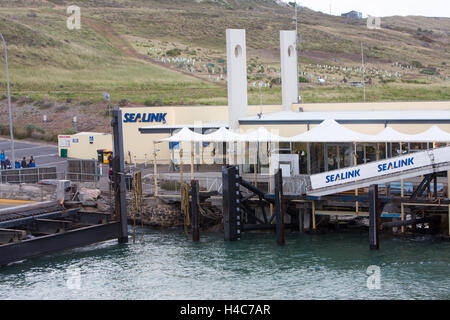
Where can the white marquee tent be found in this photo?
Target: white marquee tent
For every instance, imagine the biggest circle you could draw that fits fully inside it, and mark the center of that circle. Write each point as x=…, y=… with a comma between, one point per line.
x=328, y=131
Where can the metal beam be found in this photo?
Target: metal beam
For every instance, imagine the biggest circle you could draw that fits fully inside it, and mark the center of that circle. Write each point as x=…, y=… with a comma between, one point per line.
x=119, y=172
x=39, y=246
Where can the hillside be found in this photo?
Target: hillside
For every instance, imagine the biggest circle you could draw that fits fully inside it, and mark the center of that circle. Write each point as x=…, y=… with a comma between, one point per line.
x=173, y=52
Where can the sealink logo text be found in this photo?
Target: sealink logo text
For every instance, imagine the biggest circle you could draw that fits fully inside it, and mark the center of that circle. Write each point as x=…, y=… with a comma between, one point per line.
x=396, y=164
x=145, y=117
x=342, y=176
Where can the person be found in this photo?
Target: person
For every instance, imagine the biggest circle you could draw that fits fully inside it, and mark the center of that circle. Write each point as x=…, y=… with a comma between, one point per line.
x=7, y=163
x=110, y=160
x=2, y=159
x=31, y=164
x=23, y=164
x=17, y=164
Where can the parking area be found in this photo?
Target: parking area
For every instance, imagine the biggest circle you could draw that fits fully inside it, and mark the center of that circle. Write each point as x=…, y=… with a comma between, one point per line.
x=45, y=155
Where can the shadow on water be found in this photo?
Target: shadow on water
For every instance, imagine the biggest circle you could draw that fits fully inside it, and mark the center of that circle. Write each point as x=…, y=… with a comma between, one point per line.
x=168, y=265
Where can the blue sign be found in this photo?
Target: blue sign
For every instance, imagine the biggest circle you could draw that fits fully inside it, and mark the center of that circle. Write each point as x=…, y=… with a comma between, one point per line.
x=74, y=140
x=91, y=139
x=396, y=164
x=144, y=117
x=174, y=145
x=343, y=176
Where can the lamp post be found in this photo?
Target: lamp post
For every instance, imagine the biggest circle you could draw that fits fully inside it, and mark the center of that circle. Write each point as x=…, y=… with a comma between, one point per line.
x=11, y=130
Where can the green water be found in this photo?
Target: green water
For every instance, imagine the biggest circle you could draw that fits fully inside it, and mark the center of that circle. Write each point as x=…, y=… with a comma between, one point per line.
x=165, y=265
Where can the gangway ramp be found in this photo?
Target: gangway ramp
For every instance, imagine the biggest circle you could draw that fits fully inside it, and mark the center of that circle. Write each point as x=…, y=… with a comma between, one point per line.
x=387, y=170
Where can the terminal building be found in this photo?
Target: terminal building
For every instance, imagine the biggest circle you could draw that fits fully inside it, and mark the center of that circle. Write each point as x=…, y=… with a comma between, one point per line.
x=145, y=128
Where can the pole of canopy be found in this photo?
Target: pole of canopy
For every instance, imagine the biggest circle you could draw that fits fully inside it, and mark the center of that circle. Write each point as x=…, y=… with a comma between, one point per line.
x=192, y=160
x=155, y=171
x=181, y=166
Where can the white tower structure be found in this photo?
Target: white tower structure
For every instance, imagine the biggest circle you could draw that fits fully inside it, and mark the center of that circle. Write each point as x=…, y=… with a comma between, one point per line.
x=289, y=77
x=236, y=76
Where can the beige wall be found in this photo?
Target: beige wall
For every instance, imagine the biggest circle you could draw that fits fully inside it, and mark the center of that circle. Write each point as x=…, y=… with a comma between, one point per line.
x=85, y=150
x=367, y=106
x=140, y=147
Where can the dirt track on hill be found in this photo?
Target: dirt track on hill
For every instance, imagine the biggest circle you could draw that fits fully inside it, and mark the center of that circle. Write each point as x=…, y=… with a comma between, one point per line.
x=125, y=47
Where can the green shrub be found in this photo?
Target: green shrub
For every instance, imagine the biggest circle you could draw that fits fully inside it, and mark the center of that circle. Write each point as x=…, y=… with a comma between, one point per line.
x=61, y=108
x=173, y=52
x=432, y=71
x=4, y=129
x=302, y=79
x=123, y=102
x=68, y=131
x=153, y=102
x=31, y=128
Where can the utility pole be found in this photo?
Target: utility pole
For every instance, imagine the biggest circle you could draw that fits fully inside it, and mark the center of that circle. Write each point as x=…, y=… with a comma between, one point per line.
x=11, y=129
x=363, y=71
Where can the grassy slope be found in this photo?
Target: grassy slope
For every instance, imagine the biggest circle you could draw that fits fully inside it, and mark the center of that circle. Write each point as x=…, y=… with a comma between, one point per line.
x=49, y=61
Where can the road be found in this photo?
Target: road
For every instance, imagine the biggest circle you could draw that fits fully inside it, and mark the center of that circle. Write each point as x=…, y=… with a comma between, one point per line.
x=45, y=155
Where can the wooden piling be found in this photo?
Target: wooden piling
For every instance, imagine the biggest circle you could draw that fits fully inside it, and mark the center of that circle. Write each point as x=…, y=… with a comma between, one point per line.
x=195, y=223
x=313, y=215
x=278, y=182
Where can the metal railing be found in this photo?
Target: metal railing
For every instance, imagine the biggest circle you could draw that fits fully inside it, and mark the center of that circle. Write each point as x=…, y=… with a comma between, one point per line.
x=28, y=175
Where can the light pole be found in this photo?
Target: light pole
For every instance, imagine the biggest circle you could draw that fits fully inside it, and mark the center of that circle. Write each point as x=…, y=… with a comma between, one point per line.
x=11, y=130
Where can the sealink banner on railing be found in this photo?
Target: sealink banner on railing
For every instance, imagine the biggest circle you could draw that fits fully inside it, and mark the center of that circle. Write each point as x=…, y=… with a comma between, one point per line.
x=378, y=168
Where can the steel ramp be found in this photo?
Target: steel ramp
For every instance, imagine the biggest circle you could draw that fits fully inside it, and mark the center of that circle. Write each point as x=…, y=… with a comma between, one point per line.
x=383, y=171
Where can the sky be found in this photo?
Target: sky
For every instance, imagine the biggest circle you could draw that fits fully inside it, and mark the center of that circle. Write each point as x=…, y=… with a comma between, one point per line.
x=381, y=8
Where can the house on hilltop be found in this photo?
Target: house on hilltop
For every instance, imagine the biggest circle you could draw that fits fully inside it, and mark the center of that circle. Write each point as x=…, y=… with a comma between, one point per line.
x=353, y=14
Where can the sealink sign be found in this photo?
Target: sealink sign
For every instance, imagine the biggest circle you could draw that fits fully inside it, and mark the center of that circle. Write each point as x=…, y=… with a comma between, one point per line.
x=396, y=164
x=145, y=117
x=342, y=176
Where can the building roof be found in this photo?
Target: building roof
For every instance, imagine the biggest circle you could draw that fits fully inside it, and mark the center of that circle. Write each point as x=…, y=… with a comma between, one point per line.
x=351, y=117
x=169, y=128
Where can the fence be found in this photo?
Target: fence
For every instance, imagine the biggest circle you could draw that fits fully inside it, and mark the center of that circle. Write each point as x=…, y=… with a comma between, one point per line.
x=82, y=170
x=27, y=175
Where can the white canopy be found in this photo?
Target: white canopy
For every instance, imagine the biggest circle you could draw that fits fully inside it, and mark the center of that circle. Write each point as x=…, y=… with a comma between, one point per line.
x=184, y=135
x=330, y=131
x=434, y=134
x=263, y=135
x=388, y=135
x=222, y=135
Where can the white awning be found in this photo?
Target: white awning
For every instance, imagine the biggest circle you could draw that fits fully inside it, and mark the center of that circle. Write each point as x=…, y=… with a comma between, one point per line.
x=184, y=135
x=434, y=134
x=222, y=135
x=330, y=131
x=263, y=135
